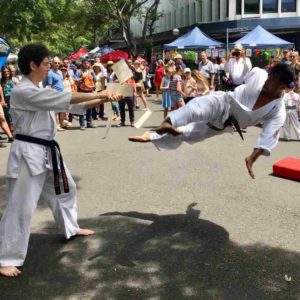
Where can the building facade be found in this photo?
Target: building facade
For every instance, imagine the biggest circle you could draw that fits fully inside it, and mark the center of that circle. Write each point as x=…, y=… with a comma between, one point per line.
x=281, y=17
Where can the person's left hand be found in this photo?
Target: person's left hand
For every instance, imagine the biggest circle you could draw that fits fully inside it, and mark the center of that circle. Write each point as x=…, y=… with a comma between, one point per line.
x=249, y=163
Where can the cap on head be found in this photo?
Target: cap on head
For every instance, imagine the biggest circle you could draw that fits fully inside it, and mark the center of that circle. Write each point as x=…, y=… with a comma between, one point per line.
x=187, y=70
x=110, y=62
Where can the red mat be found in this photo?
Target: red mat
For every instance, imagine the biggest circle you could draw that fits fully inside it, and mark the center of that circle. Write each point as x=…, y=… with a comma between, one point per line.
x=288, y=167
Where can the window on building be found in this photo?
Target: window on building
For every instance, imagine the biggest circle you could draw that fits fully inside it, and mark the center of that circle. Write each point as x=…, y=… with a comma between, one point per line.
x=193, y=14
x=288, y=5
x=182, y=16
x=251, y=6
x=165, y=22
x=200, y=11
x=170, y=20
x=174, y=25
x=218, y=4
x=238, y=8
x=210, y=14
x=270, y=6
x=187, y=14
x=227, y=8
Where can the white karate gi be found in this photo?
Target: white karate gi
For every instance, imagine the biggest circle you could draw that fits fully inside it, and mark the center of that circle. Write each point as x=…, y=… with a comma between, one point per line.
x=29, y=170
x=291, y=127
x=215, y=108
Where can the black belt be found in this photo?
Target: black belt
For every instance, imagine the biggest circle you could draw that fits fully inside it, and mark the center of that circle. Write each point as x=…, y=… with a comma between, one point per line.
x=53, y=145
x=231, y=121
x=290, y=107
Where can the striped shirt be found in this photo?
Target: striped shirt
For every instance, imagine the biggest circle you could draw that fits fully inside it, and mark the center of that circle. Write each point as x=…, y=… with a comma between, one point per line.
x=173, y=83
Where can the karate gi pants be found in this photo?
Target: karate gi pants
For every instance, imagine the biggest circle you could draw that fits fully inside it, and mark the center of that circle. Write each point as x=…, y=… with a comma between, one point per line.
x=191, y=120
x=23, y=194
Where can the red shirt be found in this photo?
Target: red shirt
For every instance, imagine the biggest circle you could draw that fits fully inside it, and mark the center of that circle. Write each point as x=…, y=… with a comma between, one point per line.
x=159, y=74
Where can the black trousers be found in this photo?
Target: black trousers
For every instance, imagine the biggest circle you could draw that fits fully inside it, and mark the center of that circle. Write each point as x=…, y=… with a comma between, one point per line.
x=130, y=105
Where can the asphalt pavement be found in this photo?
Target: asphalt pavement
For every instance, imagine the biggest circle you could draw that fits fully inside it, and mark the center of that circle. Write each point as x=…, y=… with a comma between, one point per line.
x=127, y=259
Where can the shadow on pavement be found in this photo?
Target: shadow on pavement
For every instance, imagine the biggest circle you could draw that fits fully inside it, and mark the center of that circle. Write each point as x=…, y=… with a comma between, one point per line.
x=173, y=257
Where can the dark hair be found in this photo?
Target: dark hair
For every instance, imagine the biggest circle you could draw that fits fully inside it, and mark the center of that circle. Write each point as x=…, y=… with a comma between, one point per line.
x=284, y=73
x=2, y=74
x=31, y=53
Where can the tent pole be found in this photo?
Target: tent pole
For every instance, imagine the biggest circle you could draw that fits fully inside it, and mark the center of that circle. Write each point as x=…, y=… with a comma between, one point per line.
x=227, y=46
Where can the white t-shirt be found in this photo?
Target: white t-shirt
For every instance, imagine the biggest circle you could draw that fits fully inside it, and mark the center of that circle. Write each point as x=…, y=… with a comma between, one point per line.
x=206, y=69
x=238, y=69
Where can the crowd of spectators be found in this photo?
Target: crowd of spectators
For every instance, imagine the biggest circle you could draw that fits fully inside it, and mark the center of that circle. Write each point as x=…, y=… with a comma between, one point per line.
x=172, y=79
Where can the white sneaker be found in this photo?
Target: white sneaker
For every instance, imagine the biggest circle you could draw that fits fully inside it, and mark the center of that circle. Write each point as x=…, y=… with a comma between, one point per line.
x=60, y=129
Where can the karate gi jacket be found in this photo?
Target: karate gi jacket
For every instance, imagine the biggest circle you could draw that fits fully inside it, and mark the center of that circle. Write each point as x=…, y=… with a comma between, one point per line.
x=33, y=112
x=240, y=103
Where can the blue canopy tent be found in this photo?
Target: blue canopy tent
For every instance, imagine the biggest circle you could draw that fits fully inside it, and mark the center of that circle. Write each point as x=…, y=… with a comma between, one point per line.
x=194, y=39
x=4, y=51
x=261, y=38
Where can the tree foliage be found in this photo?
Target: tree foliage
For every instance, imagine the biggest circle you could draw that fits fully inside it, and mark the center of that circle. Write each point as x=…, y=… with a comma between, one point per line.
x=125, y=10
x=64, y=25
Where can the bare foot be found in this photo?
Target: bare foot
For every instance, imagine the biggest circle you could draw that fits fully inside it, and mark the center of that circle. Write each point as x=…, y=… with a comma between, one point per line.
x=85, y=232
x=145, y=138
x=9, y=271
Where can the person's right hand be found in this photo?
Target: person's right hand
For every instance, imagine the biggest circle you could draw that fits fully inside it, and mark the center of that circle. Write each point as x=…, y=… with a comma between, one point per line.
x=3, y=104
x=114, y=96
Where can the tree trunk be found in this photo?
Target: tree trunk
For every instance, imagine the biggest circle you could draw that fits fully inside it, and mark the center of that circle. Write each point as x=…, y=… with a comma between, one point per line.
x=131, y=45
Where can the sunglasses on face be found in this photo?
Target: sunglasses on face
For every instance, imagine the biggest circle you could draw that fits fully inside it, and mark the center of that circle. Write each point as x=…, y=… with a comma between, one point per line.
x=236, y=53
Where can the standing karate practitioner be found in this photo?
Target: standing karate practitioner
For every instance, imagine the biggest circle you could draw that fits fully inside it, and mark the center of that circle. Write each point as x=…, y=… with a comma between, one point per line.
x=35, y=167
x=258, y=101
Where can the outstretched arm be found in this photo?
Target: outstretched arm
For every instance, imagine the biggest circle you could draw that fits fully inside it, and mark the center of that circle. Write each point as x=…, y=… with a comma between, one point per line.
x=106, y=96
x=268, y=138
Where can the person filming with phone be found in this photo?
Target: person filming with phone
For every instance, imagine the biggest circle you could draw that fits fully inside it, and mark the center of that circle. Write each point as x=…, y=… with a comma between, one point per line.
x=237, y=67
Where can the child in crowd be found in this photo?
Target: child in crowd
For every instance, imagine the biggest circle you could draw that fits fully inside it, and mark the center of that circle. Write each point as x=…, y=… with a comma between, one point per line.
x=202, y=84
x=189, y=85
x=176, y=90
x=166, y=94
x=291, y=127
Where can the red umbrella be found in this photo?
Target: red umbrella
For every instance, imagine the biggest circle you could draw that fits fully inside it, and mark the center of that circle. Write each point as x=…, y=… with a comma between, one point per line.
x=114, y=56
x=78, y=53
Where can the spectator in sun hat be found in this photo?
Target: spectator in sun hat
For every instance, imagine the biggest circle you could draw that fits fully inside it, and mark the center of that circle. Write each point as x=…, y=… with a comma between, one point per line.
x=237, y=67
x=179, y=62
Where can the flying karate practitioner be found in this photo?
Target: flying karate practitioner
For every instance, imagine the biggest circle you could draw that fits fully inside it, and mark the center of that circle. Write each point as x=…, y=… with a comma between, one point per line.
x=258, y=101
x=35, y=166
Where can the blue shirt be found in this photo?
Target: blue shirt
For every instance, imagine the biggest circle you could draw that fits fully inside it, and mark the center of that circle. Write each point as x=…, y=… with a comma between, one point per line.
x=54, y=80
